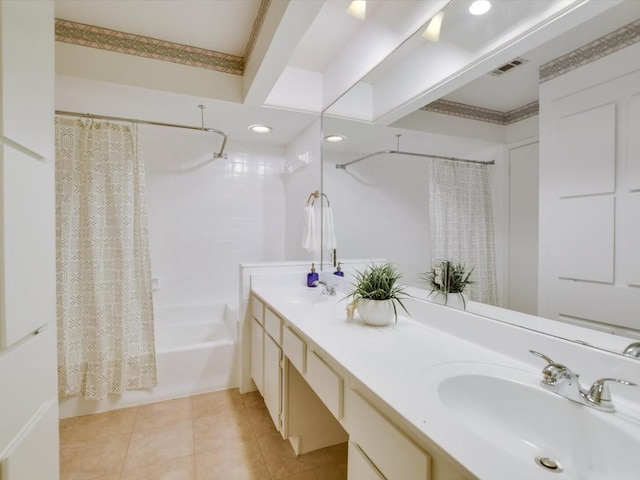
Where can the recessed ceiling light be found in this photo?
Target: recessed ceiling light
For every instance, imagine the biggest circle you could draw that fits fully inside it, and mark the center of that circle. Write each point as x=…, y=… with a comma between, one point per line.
x=480, y=7
x=358, y=9
x=335, y=138
x=260, y=129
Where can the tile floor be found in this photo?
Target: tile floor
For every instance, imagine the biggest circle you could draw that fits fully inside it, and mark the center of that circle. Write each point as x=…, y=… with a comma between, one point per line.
x=215, y=436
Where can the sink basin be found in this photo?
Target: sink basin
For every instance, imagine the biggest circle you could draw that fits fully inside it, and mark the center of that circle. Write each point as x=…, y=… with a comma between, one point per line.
x=310, y=297
x=526, y=429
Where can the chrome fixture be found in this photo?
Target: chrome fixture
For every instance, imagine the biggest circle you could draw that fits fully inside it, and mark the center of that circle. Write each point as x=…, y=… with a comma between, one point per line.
x=632, y=350
x=327, y=289
x=397, y=151
x=560, y=380
x=219, y=154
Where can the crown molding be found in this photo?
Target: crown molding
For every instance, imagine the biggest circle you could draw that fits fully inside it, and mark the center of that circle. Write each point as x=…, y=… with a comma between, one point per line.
x=139, y=45
x=472, y=112
x=592, y=51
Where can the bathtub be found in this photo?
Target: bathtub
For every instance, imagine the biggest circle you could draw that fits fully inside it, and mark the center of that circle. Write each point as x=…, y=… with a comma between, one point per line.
x=196, y=352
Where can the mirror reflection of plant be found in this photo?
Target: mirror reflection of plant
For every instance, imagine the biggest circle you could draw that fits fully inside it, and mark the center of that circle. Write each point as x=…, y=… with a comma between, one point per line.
x=379, y=282
x=446, y=277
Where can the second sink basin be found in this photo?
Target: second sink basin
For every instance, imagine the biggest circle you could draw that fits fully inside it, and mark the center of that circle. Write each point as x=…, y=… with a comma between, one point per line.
x=536, y=432
x=309, y=296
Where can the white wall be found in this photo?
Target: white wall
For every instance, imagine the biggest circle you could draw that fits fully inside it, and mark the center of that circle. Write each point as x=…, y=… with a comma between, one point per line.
x=589, y=204
x=206, y=218
x=381, y=210
x=298, y=185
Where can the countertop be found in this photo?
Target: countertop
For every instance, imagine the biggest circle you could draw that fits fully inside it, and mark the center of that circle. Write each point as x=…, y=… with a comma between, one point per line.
x=395, y=361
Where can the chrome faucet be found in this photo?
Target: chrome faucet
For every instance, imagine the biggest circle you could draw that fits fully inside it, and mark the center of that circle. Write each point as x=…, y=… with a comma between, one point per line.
x=632, y=350
x=327, y=289
x=560, y=380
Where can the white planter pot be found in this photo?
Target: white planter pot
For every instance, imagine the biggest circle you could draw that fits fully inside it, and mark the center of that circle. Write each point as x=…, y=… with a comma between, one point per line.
x=453, y=300
x=376, y=312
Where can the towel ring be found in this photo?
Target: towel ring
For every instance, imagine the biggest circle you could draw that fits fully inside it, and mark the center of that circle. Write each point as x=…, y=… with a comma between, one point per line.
x=312, y=198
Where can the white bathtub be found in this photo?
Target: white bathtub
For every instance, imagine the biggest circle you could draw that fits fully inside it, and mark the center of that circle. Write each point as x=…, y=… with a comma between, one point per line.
x=196, y=352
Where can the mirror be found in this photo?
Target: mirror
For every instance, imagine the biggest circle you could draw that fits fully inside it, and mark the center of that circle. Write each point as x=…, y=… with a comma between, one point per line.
x=381, y=204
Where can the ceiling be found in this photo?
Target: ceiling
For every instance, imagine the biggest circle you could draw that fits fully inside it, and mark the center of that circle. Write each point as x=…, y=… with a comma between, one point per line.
x=308, y=53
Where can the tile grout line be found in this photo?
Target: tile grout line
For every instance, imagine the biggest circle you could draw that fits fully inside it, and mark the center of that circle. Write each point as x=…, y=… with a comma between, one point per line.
x=193, y=436
x=126, y=455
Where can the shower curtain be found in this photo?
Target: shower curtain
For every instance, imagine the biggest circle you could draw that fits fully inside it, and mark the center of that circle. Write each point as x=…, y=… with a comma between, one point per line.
x=461, y=218
x=104, y=303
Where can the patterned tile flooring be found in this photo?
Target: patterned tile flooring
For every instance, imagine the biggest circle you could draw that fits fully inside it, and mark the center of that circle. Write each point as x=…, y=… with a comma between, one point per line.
x=215, y=436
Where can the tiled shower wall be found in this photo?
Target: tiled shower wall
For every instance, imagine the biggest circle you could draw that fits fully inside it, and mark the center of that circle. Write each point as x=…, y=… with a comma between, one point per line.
x=206, y=216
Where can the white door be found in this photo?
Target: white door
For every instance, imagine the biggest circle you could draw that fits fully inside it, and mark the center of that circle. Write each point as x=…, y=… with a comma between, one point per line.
x=523, y=228
x=28, y=379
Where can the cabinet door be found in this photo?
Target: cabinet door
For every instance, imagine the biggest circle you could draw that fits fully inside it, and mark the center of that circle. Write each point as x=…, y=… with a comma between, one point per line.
x=27, y=64
x=272, y=379
x=359, y=467
x=257, y=355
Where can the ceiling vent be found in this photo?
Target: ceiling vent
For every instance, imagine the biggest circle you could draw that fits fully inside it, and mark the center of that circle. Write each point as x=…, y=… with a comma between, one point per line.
x=516, y=62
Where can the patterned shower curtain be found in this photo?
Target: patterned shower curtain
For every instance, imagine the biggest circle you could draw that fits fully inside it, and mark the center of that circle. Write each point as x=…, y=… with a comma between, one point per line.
x=104, y=303
x=461, y=218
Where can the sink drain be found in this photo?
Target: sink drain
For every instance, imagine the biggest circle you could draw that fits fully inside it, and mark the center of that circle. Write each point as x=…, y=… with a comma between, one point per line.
x=548, y=464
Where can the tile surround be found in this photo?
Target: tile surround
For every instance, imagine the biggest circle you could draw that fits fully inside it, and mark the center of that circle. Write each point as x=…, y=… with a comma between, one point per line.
x=221, y=435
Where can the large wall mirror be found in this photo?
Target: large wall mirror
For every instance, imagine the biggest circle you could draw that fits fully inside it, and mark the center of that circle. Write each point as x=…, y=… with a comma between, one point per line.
x=472, y=89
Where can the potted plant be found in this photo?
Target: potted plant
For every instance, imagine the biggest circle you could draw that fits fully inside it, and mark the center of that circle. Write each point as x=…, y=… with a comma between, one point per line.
x=447, y=282
x=376, y=294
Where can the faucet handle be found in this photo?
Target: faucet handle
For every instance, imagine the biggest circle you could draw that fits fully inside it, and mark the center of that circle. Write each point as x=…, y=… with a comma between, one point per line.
x=632, y=350
x=599, y=392
x=554, y=372
x=543, y=356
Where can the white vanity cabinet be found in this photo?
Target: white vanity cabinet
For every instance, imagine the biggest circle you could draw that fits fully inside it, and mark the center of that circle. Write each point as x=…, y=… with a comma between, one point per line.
x=257, y=344
x=315, y=403
x=273, y=367
x=266, y=358
x=381, y=445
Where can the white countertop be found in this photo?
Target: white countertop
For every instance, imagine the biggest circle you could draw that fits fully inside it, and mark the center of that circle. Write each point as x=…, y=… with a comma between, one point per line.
x=391, y=361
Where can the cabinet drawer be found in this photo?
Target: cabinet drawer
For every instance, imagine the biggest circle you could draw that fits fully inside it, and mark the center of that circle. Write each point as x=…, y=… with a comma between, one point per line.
x=294, y=349
x=273, y=325
x=257, y=310
x=359, y=466
x=393, y=454
x=327, y=384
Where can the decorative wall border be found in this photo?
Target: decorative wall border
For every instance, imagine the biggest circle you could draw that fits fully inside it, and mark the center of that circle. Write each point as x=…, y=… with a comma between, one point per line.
x=115, y=41
x=463, y=110
x=592, y=51
x=257, y=27
x=139, y=45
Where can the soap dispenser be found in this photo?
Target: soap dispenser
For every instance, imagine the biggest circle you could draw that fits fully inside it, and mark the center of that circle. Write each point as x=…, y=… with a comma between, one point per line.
x=312, y=277
x=339, y=271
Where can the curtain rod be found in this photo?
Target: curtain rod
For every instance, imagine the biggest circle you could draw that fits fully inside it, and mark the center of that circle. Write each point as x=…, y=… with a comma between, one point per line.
x=397, y=151
x=219, y=154
x=343, y=166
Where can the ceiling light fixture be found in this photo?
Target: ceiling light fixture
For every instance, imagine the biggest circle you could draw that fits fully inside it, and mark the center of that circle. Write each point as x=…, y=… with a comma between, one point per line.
x=358, y=9
x=432, y=32
x=335, y=138
x=260, y=128
x=480, y=7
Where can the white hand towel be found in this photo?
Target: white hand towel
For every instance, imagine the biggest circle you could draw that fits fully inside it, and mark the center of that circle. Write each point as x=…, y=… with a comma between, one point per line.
x=309, y=242
x=328, y=229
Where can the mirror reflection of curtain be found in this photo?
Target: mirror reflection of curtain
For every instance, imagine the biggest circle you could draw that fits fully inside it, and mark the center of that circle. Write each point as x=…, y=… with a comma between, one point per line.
x=461, y=219
x=105, y=311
